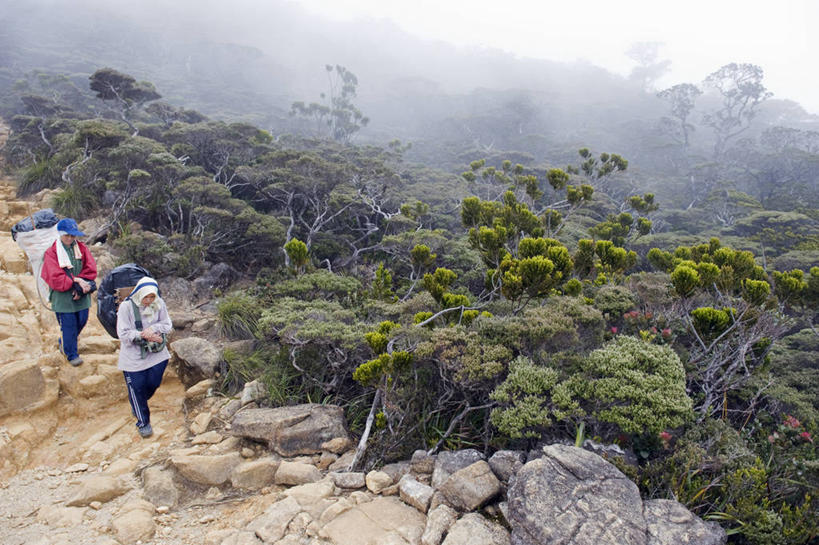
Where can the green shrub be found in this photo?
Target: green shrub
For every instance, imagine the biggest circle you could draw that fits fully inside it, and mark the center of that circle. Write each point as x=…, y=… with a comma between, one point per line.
x=636, y=386
x=530, y=399
x=614, y=300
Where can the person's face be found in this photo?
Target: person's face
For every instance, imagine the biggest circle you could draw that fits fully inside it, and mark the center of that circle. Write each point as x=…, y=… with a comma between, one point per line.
x=68, y=240
x=148, y=299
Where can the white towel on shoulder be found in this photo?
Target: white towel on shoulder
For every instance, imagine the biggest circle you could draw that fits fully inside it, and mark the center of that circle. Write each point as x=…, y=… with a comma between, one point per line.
x=62, y=256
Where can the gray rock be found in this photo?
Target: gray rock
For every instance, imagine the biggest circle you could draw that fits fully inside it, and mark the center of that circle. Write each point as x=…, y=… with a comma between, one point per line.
x=342, y=463
x=291, y=431
x=611, y=451
x=349, y=479
x=133, y=526
x=396, y=470
x=377, y=481
x=422, y=462
x=439, y=520
x=229, y=409
x=182, y=319
x=256, y=474
x=158, y=487
x=473, y=529
x=210, y=470
x=506, y=463
x=670, y=523
x=574, y=497
x=380, y=521
x=253, y=391
x=196, y=359
x=21, y=385
x=101, y=488
x=219, y=276
x=271, y=525
x=448, y=462
x=296, y=473
x=414, y=493
x=471, y=487
x=177, y=292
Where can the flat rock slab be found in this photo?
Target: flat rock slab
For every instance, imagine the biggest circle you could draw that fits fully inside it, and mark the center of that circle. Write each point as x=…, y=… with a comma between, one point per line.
x=292, y=431
x=383, y=520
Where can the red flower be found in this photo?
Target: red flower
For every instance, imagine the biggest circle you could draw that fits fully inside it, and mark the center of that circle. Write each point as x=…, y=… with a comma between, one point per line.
x=649, y=315
x=666, y=332
x=614, y=330
x=791, y=422
x=806, y=436
x=665, y=436
x=654, y=330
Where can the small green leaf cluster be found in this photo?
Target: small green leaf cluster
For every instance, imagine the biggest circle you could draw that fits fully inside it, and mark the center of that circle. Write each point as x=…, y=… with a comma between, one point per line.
x=710, y=322
x=439, y=282
x=603, y=257
x=609, y=163
x=298, y=254
x=712, y=265
x=382, y=284
x=370, y=373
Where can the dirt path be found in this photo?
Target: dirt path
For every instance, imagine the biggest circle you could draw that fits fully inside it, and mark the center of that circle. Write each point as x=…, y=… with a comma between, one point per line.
x=81, y=418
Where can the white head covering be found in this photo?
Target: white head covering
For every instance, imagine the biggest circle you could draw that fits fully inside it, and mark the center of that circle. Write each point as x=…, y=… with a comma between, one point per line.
x=146, y=286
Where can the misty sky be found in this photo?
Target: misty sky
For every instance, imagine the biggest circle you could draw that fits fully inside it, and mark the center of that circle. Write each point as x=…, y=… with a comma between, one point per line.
x=699, y=35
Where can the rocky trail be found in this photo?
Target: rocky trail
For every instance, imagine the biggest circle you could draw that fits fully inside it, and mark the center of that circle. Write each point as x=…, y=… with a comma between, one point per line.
x=227, y=471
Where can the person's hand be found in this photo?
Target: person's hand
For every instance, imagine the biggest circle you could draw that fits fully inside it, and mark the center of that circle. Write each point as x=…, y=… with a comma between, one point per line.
x=152, y=337
x=86, y=287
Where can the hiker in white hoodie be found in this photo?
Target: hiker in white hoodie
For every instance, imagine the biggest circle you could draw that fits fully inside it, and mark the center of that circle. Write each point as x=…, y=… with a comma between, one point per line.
x=142, y=327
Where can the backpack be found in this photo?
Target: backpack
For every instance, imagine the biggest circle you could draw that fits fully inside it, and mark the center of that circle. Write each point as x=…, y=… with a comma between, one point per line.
x=113, y=290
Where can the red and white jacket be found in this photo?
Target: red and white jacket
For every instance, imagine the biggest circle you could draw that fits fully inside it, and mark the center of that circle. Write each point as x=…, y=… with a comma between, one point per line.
x=56, y=278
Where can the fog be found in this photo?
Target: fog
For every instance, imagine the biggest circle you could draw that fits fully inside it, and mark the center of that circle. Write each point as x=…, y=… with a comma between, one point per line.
x=417, y=67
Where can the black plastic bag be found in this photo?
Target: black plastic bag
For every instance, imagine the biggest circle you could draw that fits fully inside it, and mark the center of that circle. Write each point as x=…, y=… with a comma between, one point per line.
x=42, y=219
x=124, y=276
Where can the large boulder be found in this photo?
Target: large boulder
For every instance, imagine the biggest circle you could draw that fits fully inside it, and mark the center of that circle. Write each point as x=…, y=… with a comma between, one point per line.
x=196, y=359
x=573, y=497
x=670, y=523
x=220, y=276
x=291, y=431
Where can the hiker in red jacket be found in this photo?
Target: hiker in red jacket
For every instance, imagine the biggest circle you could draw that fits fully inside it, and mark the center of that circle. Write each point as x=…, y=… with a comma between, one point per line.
x=70, y=271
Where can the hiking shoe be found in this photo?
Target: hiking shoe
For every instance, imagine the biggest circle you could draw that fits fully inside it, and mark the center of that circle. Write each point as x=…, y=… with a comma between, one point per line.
x=76, y=361
x=146, y=431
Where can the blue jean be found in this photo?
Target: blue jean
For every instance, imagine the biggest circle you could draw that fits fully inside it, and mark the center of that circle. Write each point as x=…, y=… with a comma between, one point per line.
x=71, y=323
x=141, y=387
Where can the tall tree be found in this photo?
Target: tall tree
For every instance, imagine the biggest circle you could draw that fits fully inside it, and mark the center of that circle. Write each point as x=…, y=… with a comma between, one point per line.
x=742, y=91
x=681, y=97
x=123, y=91
x=649, y=66
x=337, y=112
